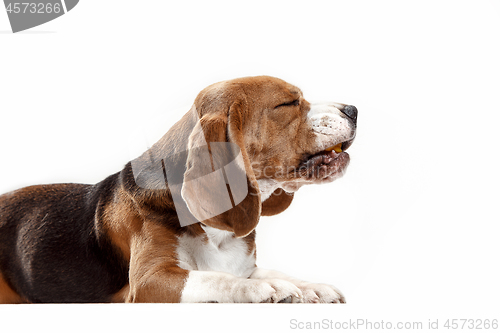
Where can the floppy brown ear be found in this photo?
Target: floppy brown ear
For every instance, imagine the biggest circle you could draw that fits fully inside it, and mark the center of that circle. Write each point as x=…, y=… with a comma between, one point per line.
x=277, y=202
x=219, y=187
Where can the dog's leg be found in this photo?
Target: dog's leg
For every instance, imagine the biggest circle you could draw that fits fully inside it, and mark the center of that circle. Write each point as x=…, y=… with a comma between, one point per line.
x=203, y=286
x=312, y=292
x=155, y=277
x=178, y=285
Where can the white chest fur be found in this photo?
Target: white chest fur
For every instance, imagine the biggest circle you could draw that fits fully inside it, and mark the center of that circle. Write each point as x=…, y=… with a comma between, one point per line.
x=217, y=250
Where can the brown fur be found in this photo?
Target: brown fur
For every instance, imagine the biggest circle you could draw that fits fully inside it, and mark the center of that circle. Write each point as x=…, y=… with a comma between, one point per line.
x=7, y=295
x=276, y=203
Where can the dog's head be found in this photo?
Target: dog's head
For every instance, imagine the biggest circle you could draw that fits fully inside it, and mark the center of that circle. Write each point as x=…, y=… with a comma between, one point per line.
x=283, y=140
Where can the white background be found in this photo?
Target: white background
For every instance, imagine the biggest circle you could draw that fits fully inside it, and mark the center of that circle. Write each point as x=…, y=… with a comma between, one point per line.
x=410, y=233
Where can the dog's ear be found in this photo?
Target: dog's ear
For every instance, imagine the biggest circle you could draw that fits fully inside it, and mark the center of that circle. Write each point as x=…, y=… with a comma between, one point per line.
x=277, y=202
x=219, y=187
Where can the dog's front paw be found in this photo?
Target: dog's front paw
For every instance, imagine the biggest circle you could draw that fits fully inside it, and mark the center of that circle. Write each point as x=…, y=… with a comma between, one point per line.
x=321, y=293
x=267, y=291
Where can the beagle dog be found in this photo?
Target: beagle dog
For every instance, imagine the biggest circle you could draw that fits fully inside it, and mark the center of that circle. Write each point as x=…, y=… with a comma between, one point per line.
x=178, y=223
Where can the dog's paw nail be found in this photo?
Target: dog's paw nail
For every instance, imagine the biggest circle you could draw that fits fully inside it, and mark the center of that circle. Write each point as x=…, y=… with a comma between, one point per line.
x=286, y=300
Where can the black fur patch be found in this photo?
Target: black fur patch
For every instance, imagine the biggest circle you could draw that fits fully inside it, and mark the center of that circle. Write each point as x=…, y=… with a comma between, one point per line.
x=52, y=248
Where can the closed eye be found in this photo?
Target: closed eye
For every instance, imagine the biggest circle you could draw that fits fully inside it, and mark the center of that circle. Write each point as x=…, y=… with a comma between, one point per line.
x=292, y=103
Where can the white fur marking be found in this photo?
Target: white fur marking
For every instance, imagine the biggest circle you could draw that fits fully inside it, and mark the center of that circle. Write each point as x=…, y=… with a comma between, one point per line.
x=217, y=250
x=267, y=187
x=330, y=126
x=226, y=288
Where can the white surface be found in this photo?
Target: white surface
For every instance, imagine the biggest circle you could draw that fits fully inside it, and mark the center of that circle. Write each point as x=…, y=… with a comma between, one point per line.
x=411, y=231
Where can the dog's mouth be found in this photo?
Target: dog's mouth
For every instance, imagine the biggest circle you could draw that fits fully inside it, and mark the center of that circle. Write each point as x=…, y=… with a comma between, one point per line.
x=328, y=163
x=329, y=153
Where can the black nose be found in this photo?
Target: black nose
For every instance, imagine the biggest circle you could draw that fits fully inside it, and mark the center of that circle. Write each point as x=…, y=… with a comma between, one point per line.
x=351, y=112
